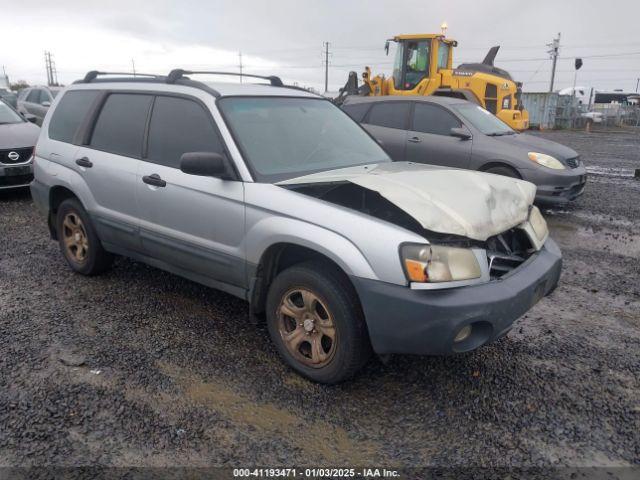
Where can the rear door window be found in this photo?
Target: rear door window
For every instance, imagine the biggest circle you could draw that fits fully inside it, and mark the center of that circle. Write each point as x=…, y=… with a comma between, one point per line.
x=34, y=96
x=44, y=96
x=180, y=125
x=357, y=111
x=121, y=124
x=433, y=119
x=389, y=114
x=69, y=113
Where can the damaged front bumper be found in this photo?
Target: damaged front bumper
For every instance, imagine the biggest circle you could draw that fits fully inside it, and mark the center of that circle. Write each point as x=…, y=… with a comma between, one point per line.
x=426, y=322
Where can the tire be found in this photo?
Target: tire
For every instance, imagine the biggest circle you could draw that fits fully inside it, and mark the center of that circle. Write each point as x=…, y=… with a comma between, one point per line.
x=333, y=301
x=504, y=171
x=78, y=240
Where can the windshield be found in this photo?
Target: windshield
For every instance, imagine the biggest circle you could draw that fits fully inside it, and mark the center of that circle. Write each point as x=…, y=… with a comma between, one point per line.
x=484, y=120
x=283, y=138
x=8, y=115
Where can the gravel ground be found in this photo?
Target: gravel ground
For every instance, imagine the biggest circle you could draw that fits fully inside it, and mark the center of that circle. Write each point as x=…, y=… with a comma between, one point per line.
x=138, y=367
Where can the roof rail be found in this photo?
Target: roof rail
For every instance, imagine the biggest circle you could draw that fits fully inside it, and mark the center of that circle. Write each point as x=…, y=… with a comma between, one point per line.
x=93, y=74
x=178, y=73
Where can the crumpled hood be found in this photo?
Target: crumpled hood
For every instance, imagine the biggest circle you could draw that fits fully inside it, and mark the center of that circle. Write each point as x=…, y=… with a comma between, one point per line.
x=472, y=204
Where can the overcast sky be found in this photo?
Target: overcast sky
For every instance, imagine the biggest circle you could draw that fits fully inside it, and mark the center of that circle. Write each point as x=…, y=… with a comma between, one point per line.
x=285, y=37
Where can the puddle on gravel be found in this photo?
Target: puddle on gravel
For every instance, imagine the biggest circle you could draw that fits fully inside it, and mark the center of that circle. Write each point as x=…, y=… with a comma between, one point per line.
x=319, y=440
x=594, y=238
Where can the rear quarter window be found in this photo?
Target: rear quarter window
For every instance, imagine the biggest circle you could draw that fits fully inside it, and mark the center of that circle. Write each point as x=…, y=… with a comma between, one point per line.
x=70, y=113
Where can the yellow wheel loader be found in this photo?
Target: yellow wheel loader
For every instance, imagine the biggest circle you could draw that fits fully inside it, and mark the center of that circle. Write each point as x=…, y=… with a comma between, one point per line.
x=423, y=66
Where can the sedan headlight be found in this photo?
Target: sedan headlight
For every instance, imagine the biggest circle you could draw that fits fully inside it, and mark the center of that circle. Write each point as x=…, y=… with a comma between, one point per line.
x=546, y=160
x=436, y=263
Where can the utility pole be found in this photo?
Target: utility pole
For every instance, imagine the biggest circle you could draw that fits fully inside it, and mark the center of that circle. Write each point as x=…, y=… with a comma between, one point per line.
x=555, y=48
x=240, y=57
x=326, y=67
x=133, y=65
x=637, y=83
x=50, y=65
x=47, y=66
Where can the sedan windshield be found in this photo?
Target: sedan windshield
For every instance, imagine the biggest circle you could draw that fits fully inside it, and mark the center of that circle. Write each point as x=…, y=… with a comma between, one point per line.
x=484, y=120
x=8, y=115
x=283, y=137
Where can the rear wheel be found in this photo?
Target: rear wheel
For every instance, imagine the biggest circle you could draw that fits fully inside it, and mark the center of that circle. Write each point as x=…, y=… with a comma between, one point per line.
x=504, y=171
x=315, y=320
x=78, y=240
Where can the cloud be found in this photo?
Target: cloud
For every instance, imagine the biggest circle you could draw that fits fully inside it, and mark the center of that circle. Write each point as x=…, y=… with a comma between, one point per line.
x=287, y=35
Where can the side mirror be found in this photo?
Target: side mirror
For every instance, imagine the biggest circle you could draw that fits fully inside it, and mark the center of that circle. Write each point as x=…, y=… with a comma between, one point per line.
x=205, y=164
x=30, y=118
x=460, y=133
x=46, y=103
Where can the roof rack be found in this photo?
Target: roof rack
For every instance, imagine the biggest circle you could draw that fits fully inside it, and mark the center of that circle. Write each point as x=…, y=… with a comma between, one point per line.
x=93, y=74
x=178, y=73
x=177, y=76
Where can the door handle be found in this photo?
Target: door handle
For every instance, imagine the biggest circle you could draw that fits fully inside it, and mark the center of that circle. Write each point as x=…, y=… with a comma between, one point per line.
x=415, y=140
x=154, y=180
x=84, y=162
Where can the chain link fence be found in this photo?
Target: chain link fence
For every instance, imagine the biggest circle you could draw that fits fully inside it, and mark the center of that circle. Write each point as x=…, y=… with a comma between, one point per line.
x=553, y=111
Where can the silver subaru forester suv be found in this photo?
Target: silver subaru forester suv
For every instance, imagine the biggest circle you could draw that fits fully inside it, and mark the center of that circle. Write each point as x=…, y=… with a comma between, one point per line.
x=276, y=196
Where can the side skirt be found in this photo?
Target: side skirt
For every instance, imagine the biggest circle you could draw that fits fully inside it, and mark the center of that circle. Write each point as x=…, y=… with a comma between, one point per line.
x=194, y=277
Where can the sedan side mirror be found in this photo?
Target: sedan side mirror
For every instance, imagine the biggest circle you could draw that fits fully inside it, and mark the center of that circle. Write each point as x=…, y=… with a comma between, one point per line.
x=30, y=118
x=46, y=103
x=460, y=133
x=205, y=164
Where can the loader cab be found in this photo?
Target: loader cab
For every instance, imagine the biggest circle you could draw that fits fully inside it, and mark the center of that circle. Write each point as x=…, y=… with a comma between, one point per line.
x=418, y=57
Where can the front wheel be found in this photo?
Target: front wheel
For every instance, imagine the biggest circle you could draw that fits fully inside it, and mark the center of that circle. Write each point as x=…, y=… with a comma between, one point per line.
x=316, y=323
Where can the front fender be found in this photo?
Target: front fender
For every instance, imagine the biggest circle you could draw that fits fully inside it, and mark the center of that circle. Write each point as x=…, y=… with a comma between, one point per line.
x=272, y=230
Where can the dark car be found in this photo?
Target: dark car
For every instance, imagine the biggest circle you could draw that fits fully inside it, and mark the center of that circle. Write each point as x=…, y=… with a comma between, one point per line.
x=37, y=100
x=457, y=133
x=17, y=139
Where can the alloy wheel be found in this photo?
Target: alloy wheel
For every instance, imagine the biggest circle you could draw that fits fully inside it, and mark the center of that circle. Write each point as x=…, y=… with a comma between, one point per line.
x=76, y=241
x=307, y=327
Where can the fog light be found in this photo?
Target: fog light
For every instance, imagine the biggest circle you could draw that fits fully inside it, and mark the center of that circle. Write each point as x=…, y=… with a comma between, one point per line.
x=463, y=334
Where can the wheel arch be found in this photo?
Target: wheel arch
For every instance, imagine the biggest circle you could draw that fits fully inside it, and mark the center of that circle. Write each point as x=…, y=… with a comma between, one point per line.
x=461, y=93
x=500, y=163
x=57, y=195
x=278, y=257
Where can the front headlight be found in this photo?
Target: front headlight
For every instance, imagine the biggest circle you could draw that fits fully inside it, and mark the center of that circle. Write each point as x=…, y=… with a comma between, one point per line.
x=546, y=160
x=538, y=223
x=436, y=263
